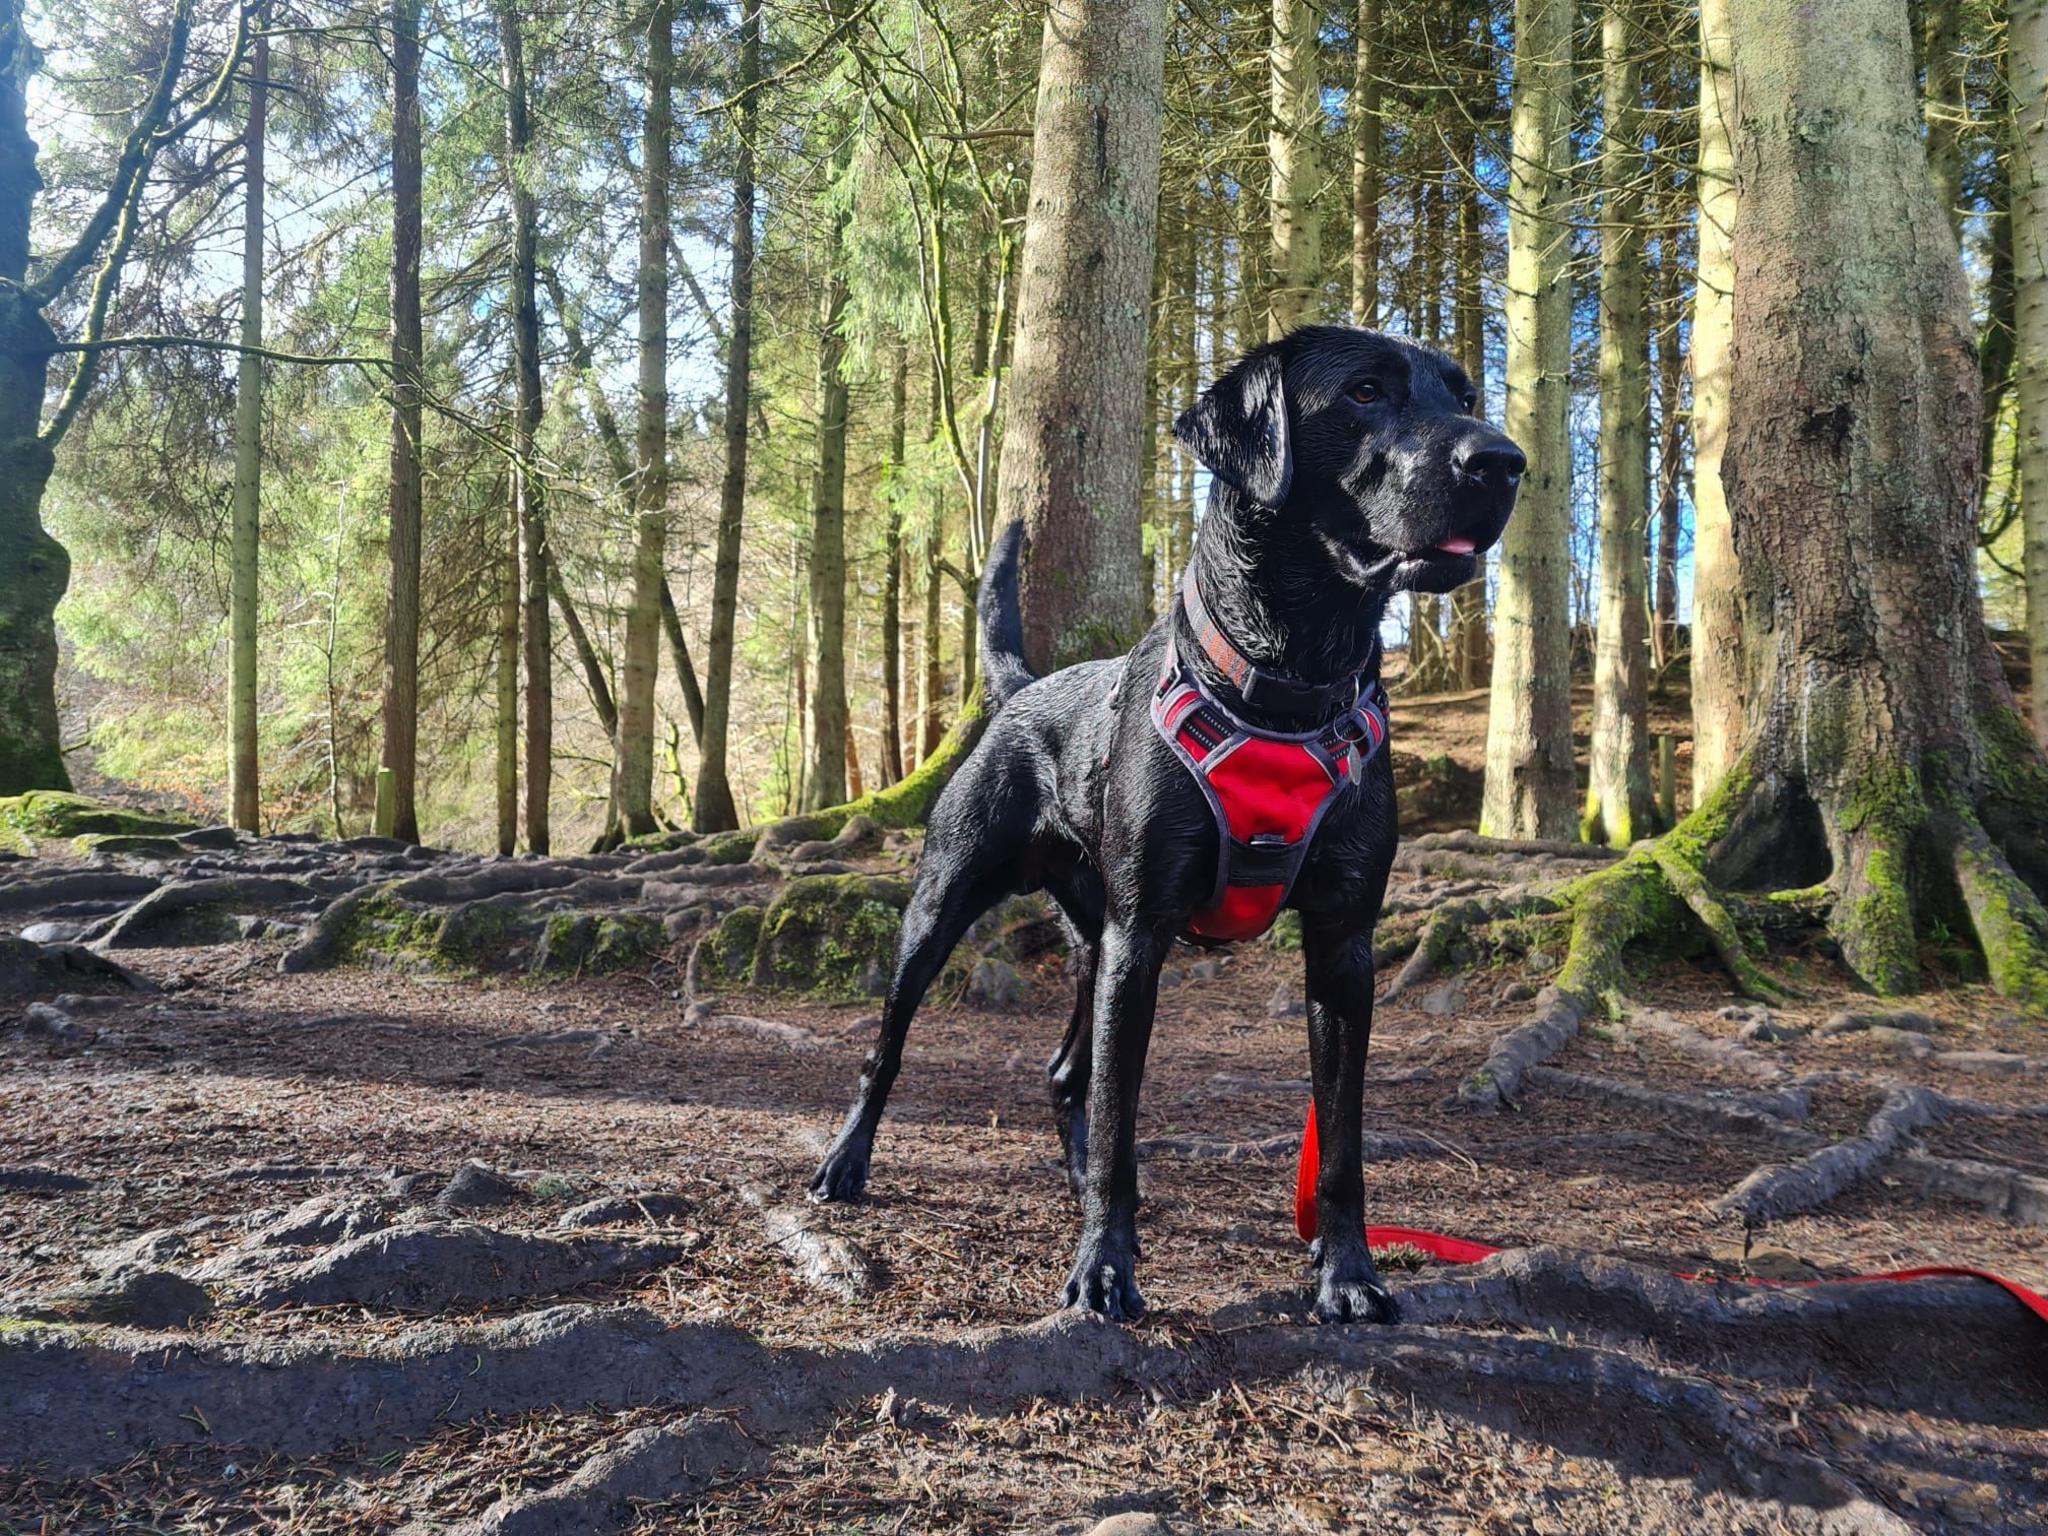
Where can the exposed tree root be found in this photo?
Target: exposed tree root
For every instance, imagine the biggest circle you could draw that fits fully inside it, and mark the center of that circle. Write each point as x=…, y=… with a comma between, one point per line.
x=1499, y=1079
x=1729, y=1054
x=1744, y=1114
x=90, y=1400
x=1787, y=1189
x=1452, y=921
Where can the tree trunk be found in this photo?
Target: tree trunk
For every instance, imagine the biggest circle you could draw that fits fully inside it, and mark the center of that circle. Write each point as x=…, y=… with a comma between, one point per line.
x=825, y=775
x=2027, y=66
x=1074, y=436
x=506, y=566
x=1884, y=751
x=1469, y=656
x=1944, y=105
x=1531, y=786
x=1366, y=139
x=1716, y=602
x=1294, y=134
x=633, y=751
x=891, y=769
x=1670, y=447
x=715, y=810
x=400, y=755
x=243, y=597
x=1620, y=800
x=538, y=646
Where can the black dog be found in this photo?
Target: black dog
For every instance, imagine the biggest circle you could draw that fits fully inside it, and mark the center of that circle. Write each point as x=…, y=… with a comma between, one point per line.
x=1346, y=467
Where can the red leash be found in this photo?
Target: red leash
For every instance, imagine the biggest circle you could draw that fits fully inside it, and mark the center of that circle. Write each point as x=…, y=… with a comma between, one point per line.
x=1458, y=1250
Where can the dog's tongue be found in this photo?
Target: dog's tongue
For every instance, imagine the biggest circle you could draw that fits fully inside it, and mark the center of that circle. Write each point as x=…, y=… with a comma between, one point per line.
x=1456, y=546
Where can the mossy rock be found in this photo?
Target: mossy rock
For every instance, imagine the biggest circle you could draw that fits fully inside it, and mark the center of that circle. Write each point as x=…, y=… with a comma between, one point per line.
x=1285, y=934
x=481, y=936
x=55, y=813
x=731, y=847
x=133, y=844
x=730, y=950
x=831, y=937
x=383, y=926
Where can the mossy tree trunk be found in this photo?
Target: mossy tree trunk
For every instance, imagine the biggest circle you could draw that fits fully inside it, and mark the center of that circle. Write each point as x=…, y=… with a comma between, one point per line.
x=1620, y=802
x=401, y=703
x=1294, y=135
x=34, y=569
x=1074, y=438
x=1884, y=752
x=891, y=767
x=1531, y=784
x=1366, y=152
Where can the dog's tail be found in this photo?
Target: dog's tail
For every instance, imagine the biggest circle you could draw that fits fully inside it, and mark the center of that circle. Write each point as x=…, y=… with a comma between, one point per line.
x=1003, y=667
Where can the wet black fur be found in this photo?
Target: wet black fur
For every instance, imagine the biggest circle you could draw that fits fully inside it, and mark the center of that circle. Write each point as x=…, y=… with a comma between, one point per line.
x=1322, y=506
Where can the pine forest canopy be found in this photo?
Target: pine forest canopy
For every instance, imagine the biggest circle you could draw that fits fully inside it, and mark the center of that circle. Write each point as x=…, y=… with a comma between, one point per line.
x=514, y=425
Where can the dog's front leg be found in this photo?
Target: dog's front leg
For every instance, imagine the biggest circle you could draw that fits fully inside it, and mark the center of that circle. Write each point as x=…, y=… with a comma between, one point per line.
x=1126, y=989
x=1339, y=964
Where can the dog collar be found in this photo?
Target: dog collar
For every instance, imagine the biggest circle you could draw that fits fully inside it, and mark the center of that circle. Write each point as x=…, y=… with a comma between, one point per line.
x=1256, y=685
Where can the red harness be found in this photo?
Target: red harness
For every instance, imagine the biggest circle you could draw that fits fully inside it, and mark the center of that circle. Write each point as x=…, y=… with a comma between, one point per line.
x=1269, y=790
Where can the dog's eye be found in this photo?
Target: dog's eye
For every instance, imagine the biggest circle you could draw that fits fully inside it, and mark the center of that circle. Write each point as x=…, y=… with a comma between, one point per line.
x=1471, y=399
x=1364, y=393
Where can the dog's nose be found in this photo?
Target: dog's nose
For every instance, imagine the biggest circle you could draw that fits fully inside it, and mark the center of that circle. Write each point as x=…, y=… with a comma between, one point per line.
x=1497, y=463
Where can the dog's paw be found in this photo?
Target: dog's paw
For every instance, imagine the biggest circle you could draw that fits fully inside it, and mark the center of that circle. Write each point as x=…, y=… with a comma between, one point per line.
x=843, y=1176
x=1350, y=1290
x=1104, y=1280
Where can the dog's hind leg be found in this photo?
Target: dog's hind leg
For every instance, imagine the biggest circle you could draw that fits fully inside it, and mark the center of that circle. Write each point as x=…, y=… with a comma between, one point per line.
x=958, y=883
x=1080, y=899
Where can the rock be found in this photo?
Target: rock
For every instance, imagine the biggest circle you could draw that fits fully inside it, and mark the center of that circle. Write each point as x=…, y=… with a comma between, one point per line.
x=649, y=1210
x=1208, y=968
x=44, y=1021
x=211, y=838
x=994, y=984
x=1540, y=960
x=250, y=925
x=1516, y=992
x=1905, y=1041
x=832, y=937
x=1286, y=1002
x=1901, y=1019
x=1133, y=1524
x=1444, y=1000
x=56, y=931
x=478, y=1187
x=410, y=1186
x=31, y=1180
x=321, y=1220
x=152, y=1250
x=141, y=1298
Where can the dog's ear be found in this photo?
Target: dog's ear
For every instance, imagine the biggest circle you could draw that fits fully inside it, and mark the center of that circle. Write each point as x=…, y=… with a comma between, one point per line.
x=1238, y=429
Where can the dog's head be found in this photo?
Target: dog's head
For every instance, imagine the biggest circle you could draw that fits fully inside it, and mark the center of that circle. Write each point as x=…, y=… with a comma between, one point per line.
x=1372, y=443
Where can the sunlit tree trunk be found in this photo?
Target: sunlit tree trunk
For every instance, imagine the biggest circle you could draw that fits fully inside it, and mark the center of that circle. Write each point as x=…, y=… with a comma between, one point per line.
x=401, y=709
x=825, y=775
x=1620, y=800
x=1531, y=787
x=2027, y=66
x=1468, y=604
x=504, y=525
x=1366, y=140
x=714, y=810
x=1716, y=606
x=1074, y=437
x=243, y=594
x=633, y=750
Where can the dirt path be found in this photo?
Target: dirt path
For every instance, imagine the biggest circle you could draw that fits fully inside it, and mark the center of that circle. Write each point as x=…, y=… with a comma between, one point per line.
x=372, y=1338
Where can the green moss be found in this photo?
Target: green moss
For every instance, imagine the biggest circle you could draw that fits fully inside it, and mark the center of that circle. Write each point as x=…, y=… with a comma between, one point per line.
x=53, y=813
x=128, y=843
x=626, y=942
x=2011, y=926
x=382, y=924
x=2013, y=764
x=1285, y=934
x=731, y=847
x=831, y=936
x=730, y=949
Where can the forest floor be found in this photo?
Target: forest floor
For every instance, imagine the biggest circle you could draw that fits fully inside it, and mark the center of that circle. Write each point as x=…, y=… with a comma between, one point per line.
x=256, y=1285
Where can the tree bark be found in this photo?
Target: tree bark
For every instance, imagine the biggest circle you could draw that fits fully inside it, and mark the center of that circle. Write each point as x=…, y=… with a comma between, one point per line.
x=633, y=751
x=1883, y=742
x=825, y=774
x=1531, y=786
x=1620, y=800
x=244, y=806
x=400, y=754
x=1943, y=104
x=891, y=769
x=1366, y=140
x=1294, y=136
x=714, y=810
x=1670, y=448
x=1469, y=651
x=2027, y=65
x=537, y=636
x=1074, y=435
x=505, y=527
x=1716, y=603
